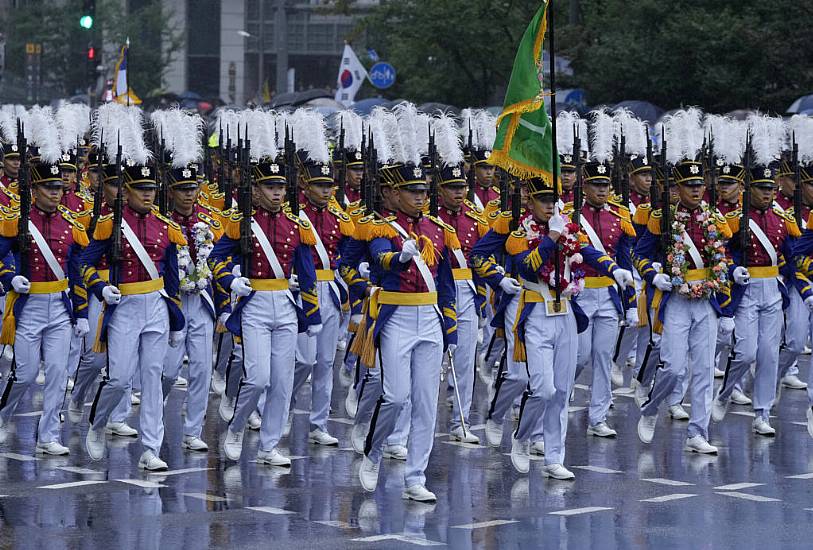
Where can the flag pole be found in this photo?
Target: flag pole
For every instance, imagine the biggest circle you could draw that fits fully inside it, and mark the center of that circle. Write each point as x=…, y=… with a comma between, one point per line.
x=554, y=150
x=127, y=74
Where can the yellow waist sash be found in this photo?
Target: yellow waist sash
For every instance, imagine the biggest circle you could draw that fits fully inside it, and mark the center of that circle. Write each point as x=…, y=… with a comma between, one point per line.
x=407, y=298
x=462, y=274
x=698, y=274
x=141, y=287
x=324, y=275
x=269, y=284
x=598, y=282
x=49, y=287
x=764, y=272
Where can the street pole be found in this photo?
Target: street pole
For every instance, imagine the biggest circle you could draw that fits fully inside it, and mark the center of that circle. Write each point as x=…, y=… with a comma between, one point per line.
x=261, y=55
x=281, y=36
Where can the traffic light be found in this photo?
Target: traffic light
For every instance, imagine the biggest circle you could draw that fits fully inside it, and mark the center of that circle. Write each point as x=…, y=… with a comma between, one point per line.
x=91, y=53
x=88, y=14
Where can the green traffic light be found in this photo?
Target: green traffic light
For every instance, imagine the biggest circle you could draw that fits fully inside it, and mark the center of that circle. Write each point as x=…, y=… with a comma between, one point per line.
x=86, y=21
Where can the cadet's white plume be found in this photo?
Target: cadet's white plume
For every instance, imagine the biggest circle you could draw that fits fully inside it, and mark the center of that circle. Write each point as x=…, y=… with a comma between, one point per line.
x=353, y=128
x=8, y=122
x=310, y=134
x=767, y=138
x=73, y=120
x=447, y=140
x=565, y=122
x=181, y=132
x=802, y=128
x=229, y=122
x=380, y=122
x=485, y=130
x=601, y=136
x=422, y=125
x=729, y=138
x=406, y=146
x=684, y=135
x=121, y=124
x=260, y=127
x=43, y=133
x=634, y=130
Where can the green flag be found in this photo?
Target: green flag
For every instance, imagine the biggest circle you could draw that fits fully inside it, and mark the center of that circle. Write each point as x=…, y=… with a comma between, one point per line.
x=524, y=141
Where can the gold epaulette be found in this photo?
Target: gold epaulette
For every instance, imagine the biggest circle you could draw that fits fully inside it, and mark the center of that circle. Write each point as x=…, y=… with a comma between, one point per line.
x=733, y=220
x=642, y=213
x=500, y=222
x=8, y=224
x=306, y=230
x=473, y=206
x=104, y=228
x=517, y=242
x=624, y=214
x=206, y=218
x=174, y=231
x=567, y=208
x=449, y=233
x=654, y=223
x=790, y=222
x=346, y=226
x=381, y=228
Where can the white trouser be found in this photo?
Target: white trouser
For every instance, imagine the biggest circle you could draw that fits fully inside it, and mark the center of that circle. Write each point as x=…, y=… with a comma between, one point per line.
x=596, y=347
x=688, y=340
x=796, y=329
x=628, y=340
x=269, y=325
x=369, y=392
x=197, y=345
x=492, y=346
x=137, y=338
x=552, y=343
x=757, y=329
x=43, y=333
x=90, y=364
x=464, y=355
x=411, y=351
x=315, y=356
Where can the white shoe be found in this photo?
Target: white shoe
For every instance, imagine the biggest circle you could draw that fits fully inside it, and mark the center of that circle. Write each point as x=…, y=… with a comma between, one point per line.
x=538, y=448
x=341, y=344
x=792, y=381
x=321, y=437
x=677, y=412
x=149, y=461
x=557, y=471
x=368, y=475
x=809, y=415
x=419, y=493
x=641, y=394
x=75, y=411
x=396, y=452
x=233, y=445
x=95, y=444
x=346, y=377
x=120, y=429
x=616, y=376
x=194, y=443
x=601, y=430
x=40, y=377
x=763, y=427
x=358, y=437
x=69, y=384
x=520, y=455
x=458, y=435
x=181, y=382
x=718, y=409
x=273, y=458
x=54, y=448
x=739, y=398
x=135, y=399
x=351, y=402
x=254, y=421
x=718, y=373
x=493, y=433
x=226, y=408
x=646, y=428
x=806, y=351
x=698, y=444
x=218, y=383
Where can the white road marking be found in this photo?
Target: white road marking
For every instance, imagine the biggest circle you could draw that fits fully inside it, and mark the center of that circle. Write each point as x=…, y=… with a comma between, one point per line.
x=270, y=510
x=599, y=469
x=672, y=482
x=484, y=524
x=737, y=486
x=746, y=496
x=179, y=472
x=205, y=496
x=144, y=484
x=400, y=538
x=667, y=498
x=578, y=511
x=73, y=484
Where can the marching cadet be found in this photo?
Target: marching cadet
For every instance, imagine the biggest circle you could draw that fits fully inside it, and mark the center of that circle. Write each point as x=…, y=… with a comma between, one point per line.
x=73, y=122
x=760, y=253
x=481, y=127
x=688, y=240
x=415, y=321
x=550, y=335
x=266, y=317
x=469, y=225
x=351, y=124
x=609, y=230
x=9, y=117
x=141, y=314
x=201, y=229
x=46, y=296
x=331, y=229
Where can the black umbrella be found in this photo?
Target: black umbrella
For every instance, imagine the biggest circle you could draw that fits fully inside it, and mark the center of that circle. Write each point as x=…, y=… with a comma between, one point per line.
x=642, y=109
x=298, y=98
x=432, y=108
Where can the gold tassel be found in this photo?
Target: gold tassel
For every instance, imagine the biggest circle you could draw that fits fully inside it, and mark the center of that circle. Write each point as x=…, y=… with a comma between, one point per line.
x=98, y=345
x=520, y=354
x=642, y=312
x=428, y=254
x=9, y=329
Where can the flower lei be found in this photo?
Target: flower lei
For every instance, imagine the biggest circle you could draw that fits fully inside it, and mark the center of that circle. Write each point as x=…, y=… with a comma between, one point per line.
x=713, y=252
x=570, y=245
x=195, y=276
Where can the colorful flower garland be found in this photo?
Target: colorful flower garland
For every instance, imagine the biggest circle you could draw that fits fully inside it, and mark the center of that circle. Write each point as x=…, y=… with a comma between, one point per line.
x=570, y=245
x=195, y=276
x=713, y=254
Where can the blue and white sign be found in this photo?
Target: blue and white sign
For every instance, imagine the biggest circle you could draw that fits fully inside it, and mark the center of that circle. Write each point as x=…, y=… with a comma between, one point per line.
x=382, y=75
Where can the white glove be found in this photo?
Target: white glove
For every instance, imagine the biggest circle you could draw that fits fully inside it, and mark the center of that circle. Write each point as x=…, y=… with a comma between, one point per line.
x=510, y=286
x=741, y=275
x=556, y=222
x=499, y=269
x=236, y=271
x=223, y=318
x=657, y=266
x=726, y=326
x=20, y=284
x=364, y=270
x=355, y=318
x=809, y=303
x=313, y=330
x=632, y=317
x=175, y=338
x=111, y=295
x=662, y=282
x=81, y=328
x=623, y=278
x=241, y=286
x=293, y=283
x=481, y=321
x=450, y=348
x=408, y=251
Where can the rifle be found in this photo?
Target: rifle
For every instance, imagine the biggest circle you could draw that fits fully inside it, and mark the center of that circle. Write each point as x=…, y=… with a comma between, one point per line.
x=578, y=195
x=471, y=180
x=244, y=201
x=207, y=158
x=118, y=204
x=435, y=175
x=221, y=168
x=666, y=203
x=24, y=188
x=797, y=180
x=160, y=177
x=341, y=180
x=291, y=175
x=228, y=172
x=503, y=190
x=516, y=204
x=712, y=171
x=624, y=175
x=745, y=229
x=98, y=193
x=616, y=167
x=653, y=171
x=364, y=174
